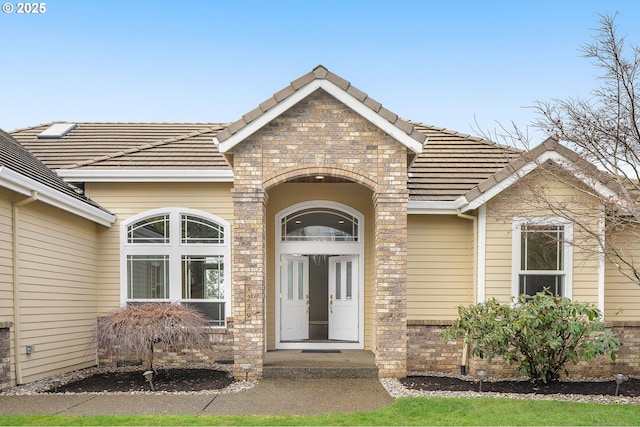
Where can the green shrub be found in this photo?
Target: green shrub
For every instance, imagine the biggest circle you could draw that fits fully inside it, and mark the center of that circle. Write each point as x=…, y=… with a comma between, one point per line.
x=540, y=334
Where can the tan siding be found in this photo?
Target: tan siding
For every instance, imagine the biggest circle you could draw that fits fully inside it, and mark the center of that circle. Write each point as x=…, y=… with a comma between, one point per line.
x=6, y=258
x=498, y=258
x=6, y=272
x=129, y=199
x=285, y=195
x=440, y=266
x=622, y=296
x=58, y=298
x=517, y=202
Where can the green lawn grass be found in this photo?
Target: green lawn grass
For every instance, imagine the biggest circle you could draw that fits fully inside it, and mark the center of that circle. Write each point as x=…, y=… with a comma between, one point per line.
x=405, y=411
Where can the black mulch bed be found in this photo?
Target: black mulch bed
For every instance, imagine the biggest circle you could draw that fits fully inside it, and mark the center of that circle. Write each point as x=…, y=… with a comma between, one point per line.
x=166, y=380
x=630, y=388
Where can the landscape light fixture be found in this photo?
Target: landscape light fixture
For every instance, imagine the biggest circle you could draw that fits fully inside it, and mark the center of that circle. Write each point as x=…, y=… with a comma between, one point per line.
x=246, y=368
x=481, y=375
x=56, y=383
x=619, y=380
x=148, y=375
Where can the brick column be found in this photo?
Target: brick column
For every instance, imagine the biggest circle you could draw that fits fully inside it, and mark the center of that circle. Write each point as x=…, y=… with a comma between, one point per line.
x=248, y=281
x=391, y=283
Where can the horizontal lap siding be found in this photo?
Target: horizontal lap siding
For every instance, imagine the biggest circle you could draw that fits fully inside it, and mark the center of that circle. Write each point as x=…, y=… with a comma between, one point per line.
x=129, y=199
x=622, y=296
x=6, y=275
x=6, y=258
x=440, y=266
x=517, y=202
x=58, y=297
x=498, y=260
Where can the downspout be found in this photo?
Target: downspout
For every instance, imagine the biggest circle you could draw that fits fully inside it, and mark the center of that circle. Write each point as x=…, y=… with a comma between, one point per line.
x=465, y=347
x=16, y=279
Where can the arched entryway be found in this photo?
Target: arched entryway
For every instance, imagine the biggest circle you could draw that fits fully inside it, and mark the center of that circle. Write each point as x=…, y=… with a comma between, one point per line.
x=319, y=276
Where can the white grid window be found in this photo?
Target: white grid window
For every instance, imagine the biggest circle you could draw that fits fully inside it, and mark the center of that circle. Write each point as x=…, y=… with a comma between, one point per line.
x=542, y=256
x=177, y=255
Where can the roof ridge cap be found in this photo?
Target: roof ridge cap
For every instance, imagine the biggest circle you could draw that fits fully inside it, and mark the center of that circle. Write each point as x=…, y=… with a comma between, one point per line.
x=36, y=126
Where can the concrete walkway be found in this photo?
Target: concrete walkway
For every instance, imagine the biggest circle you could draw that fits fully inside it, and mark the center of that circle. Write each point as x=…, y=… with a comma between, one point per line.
x=268, y=397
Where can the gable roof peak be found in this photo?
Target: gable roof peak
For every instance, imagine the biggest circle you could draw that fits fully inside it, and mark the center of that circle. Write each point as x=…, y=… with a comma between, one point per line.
x=320, y=78
x=320, y=71
x=550, y=150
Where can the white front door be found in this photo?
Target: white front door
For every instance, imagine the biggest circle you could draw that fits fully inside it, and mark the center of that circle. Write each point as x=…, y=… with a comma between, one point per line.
x=294, y=298
x=343, y=298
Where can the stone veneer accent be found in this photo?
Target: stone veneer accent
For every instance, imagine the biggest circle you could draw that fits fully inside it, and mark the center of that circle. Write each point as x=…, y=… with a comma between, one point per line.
x=5, y=355
x=320, y=135
x=428, y=352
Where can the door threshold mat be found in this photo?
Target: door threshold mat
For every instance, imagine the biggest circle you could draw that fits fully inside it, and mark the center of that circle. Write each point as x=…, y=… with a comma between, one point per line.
x=321, y=351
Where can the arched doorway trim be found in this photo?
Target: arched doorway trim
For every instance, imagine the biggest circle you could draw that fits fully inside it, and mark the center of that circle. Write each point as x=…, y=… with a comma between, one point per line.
x=345, y=305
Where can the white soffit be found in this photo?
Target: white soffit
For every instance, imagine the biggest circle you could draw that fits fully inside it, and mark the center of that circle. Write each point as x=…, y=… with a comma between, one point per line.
x=56, y=131
x=302, y=93
x=427, y=207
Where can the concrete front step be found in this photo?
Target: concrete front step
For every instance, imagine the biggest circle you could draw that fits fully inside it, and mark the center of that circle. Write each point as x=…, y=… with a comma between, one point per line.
x=295, y=364
x=273, y=372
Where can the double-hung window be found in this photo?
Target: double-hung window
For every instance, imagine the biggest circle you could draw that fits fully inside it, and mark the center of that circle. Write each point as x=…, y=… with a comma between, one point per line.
x=542, y=256
x=177, y=255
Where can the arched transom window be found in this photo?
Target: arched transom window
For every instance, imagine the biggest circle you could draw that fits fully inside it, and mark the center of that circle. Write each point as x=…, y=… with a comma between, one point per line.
x=319, y=225
x=178, y=255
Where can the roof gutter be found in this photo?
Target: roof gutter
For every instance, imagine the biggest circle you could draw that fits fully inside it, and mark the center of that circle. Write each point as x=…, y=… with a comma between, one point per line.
x=145, y=175
x=16, y=282
x=20, y=184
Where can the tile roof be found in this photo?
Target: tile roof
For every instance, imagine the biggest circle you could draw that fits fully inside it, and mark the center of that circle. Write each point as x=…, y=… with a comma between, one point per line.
x=452, y=164
x=15, y=157
x=128, y=145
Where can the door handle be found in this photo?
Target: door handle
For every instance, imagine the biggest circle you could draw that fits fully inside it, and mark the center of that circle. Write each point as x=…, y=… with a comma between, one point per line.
x=331, y=304
x=307, y=297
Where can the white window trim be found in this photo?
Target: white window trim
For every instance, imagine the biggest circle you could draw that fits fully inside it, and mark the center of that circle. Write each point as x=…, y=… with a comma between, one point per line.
x=175, y=252
x=567, y=247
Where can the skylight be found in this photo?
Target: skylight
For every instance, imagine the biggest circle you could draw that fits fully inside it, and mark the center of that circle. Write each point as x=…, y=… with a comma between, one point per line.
x=57, y=130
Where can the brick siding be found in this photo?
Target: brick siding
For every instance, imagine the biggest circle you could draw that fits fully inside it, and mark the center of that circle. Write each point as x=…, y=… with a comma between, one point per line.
x=427, y=352
x=221, y=350
x=5, y=355
x=320, y=136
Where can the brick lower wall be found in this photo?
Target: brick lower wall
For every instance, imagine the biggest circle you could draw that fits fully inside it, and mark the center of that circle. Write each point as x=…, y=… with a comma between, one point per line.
x=221, y=350
x=427, y=352
x=5, y=355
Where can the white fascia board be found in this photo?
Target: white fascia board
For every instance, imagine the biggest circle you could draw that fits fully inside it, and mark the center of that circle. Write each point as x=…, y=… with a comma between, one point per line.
x=425, y=207
x=146, y=175
x=553, y=156
x=23, y=185
x=302, y=93
x=500, y=187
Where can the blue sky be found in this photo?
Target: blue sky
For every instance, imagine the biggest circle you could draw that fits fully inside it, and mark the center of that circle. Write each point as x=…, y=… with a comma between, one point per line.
x=446, y=63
